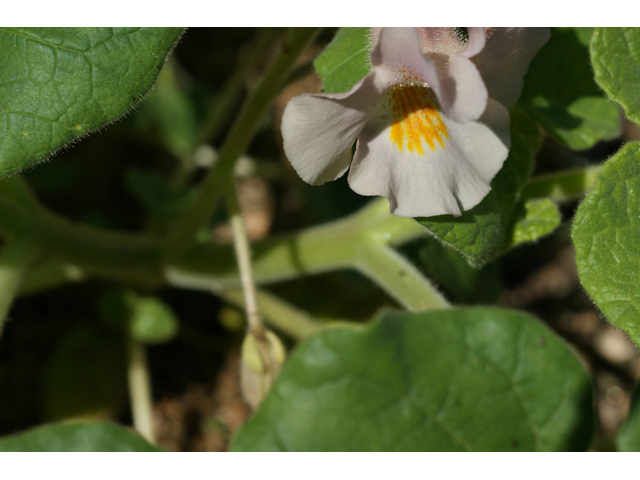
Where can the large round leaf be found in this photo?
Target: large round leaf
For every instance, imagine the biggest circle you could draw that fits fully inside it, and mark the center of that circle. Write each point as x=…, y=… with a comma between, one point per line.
x=615, y=54
x=468, y=379
x=77, y=437
x=58, y=84
x=606, y=234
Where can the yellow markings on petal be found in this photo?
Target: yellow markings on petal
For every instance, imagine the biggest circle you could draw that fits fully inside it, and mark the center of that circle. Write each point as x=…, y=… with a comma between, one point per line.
x=416, y=117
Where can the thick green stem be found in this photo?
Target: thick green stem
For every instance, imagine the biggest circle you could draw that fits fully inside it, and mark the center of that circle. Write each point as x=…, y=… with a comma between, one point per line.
x=140, y=396
x=16, y=257
x=399, y=278
x=79, y=251
x=129, y=257
x=314, y=250
x=560, y=186
x=238, y=140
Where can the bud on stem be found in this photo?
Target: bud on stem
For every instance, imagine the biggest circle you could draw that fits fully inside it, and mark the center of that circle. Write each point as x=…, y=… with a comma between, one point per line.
x=262, y=358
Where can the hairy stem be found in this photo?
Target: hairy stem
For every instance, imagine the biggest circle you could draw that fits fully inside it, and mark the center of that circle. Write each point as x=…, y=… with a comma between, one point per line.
x=399, y=278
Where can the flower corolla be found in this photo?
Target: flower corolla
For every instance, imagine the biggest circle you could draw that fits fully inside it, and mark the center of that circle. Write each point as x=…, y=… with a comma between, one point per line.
x=431, y=119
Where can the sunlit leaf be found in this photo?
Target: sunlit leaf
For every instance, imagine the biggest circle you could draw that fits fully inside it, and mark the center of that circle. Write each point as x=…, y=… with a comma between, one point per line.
x=345, y=60
x=615, y=53
x=59, y=84
x=533, y=220
x=469, y=379
x=606, y=234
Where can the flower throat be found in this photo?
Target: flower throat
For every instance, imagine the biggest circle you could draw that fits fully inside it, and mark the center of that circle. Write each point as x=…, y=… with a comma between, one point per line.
x=416, y=116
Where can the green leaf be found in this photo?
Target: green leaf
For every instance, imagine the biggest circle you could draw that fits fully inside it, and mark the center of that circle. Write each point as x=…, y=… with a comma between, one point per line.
x=480, y=234
x=606, y=234
x=615, y=53
x=77, y=437
x=534, y=219
x=468, y=379
x=345, y=60
x=147, y=319
x=628, y=439
x=453, y=273
x=86, y=376
x=573, y=111
x=59, y=84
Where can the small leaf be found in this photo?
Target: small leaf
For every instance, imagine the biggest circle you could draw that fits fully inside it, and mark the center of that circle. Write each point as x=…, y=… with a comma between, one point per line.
x=467, y=379
x=534, y=219
x=58, y=84
x=480, y=234
x=77, y=437
x=573, y=111
x=148, y=319
x=628, y=439
x=152, y=321
x=615, y=53
x=606, y=234
x=345, y=60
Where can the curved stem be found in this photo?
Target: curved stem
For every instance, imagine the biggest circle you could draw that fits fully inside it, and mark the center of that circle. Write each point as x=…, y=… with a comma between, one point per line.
x=400, y=278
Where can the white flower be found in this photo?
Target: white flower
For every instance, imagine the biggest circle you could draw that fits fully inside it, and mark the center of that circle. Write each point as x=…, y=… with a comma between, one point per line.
x=431, y=118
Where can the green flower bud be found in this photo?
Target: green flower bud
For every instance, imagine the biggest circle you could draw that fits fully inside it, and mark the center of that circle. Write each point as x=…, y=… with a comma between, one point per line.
x=260, y=365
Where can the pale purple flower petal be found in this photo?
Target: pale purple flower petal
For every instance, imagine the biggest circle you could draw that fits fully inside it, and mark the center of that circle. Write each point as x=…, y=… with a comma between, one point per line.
x=319, y=130
x=505, y=59
x=476, y=42
x=462, y=93
x=431, y=135
x=439, y=40
x=453, y=176
x=398, y=58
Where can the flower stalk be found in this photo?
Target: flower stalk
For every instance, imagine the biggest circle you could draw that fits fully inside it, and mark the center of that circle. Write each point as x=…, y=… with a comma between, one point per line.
x=139, y=382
